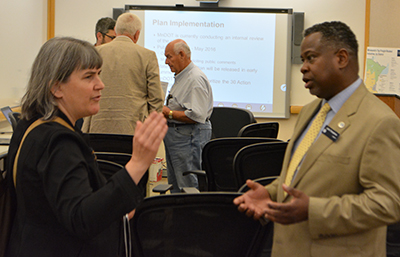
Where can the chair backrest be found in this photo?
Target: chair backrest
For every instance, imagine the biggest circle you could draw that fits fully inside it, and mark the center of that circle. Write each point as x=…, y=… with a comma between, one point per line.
x=265, y=129
x=14, y=118
x=110, y=163
x=217, y=161
x=11, y=116
x=263, y=181
x=259, y=160
x=227, y=121
x=206, y=224
x=115, y=148
x=120, y=158
x=393, y=240
x=108, y=168
x=117, y=143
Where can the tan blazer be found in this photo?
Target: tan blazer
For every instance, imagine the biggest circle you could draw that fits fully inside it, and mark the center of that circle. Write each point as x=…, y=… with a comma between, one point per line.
x=132, y=90
x=353, y=183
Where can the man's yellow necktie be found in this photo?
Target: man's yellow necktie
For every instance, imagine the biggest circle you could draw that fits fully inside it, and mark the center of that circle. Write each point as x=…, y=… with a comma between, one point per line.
x=307, y=141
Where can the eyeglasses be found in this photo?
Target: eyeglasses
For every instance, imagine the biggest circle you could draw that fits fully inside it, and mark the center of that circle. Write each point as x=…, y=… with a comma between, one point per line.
x=104, y=34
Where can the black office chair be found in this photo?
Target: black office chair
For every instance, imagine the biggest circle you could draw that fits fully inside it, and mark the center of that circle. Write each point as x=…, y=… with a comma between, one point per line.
x=117, y=143
x=259, y=160
x=227, y=121
x=108, y=168
x=393, y=240
x=266, y=129
x=263, y=181
x=120, y=158
x=217, y=162
x=14, y=118
x=266, y=252
x=196, y=225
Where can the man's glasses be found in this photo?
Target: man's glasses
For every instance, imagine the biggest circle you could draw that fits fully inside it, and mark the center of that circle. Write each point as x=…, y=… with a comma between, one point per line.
x=104, y=34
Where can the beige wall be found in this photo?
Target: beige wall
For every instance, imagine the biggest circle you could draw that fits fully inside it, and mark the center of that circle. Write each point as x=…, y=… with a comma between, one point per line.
x=23, y=32
x=384, y=22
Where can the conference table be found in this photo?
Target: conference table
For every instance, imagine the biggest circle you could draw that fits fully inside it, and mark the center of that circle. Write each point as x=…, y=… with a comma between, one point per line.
x=3, y=151
x=4, y=146
x=3, y=156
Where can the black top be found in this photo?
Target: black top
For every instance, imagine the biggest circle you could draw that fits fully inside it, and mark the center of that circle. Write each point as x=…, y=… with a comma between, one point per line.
x=65, y=207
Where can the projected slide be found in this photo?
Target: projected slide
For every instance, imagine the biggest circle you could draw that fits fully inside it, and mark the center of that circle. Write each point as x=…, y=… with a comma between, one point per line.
x=214, y=41
x=244, y=53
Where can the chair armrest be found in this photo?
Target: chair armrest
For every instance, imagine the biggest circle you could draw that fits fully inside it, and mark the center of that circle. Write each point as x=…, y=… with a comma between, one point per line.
x=196, y=172
x=201, y=177
x=190, y=190
x=162, y=188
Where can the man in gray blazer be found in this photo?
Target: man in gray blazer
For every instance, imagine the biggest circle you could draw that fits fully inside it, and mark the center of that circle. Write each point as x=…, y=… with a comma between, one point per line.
x=131, y=77
x=188, y=109
x=346, y=189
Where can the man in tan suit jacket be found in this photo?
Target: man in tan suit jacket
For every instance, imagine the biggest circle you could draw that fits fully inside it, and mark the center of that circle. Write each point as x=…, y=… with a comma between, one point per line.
x=346, y=190
x=131, y=77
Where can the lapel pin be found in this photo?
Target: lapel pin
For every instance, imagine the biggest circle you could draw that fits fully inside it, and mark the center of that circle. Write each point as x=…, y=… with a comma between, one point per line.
x=341, y=124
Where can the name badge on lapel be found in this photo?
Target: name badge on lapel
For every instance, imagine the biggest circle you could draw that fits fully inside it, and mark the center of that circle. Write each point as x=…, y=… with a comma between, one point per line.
x=330, y=133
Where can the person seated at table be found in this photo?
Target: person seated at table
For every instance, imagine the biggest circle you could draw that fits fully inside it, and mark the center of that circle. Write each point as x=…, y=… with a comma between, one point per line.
x=65, y=207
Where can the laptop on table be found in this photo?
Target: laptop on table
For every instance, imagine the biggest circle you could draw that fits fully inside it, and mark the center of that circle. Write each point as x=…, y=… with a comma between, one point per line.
x=6, y=112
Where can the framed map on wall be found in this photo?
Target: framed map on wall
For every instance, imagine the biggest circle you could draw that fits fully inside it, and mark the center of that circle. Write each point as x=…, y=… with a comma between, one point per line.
x=382, y=70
